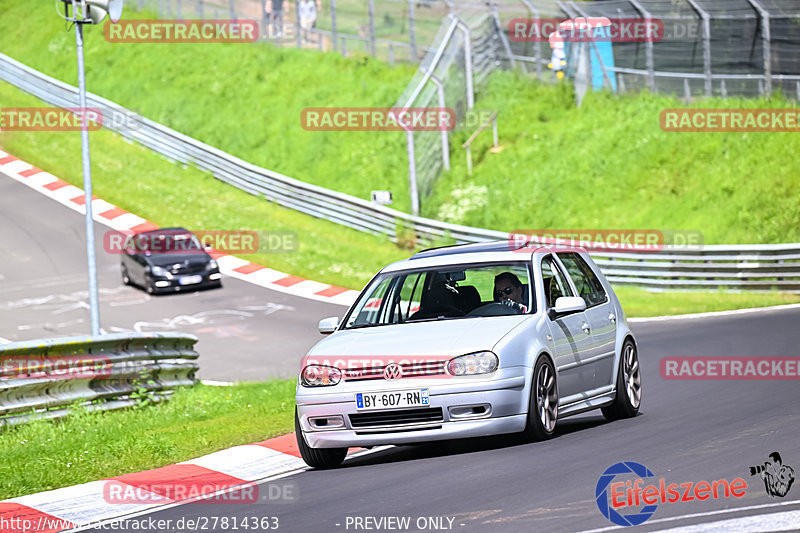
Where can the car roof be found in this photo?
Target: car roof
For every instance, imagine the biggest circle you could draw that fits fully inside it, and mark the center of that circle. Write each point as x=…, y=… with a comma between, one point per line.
x=478, y=247
x=170, y=231
x=502, y=251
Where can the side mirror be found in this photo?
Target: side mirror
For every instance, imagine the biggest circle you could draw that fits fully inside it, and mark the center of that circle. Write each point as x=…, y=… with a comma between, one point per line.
x=328, y=325
x=566, y=305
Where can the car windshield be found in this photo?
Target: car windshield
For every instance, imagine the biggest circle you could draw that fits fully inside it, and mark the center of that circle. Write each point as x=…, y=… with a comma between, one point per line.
x=168, y=242
x=446, y=292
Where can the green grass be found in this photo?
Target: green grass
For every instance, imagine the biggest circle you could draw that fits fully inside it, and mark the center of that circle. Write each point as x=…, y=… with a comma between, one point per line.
x=168, y=194
x=45, y=455
x=606, y=164
x=641, y=303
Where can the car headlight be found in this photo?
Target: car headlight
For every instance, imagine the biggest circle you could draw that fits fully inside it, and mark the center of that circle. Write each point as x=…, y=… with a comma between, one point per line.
x=159, y=271
x=320, y=376
x=212, y=264
x=473, y=364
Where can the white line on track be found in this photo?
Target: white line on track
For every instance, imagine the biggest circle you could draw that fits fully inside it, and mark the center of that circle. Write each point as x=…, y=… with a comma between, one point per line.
x=714, y=313
x=4, y=341
x=708, y=513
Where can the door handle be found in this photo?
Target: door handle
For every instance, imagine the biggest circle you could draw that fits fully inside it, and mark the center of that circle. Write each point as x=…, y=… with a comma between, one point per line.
x=612, y=317
x=585, y=327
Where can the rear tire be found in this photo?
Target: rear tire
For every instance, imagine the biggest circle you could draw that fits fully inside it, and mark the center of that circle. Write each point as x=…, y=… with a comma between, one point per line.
x=543, y=404
x=317, y=457
x=629, y=385
x=126, y=279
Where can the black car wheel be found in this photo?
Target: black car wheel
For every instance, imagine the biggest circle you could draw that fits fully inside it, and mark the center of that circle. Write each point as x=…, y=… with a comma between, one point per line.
x=317, y=457
x=149, y=285
x=126, y=279
x=543, y=406
x=629, y=385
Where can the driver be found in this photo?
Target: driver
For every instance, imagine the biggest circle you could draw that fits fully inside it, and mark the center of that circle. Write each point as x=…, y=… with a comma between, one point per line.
x=508, y=290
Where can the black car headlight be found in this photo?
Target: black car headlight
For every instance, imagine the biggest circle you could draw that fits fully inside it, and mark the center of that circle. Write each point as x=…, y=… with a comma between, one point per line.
x=473, y=364
x=320, y=376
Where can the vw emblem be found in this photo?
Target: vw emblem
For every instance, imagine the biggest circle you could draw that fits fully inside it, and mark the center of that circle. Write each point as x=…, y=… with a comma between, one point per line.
x=392, y=372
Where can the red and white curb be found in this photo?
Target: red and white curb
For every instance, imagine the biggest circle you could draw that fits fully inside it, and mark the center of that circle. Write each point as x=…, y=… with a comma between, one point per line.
x=97, y=501
x=118, y=219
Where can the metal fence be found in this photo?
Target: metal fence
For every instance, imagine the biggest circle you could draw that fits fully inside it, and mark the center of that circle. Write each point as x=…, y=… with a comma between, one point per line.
x=758, y=267
x=709, y=47
x=47, y=378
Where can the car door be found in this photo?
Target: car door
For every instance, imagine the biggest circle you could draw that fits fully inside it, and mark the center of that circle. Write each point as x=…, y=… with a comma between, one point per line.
x=600, y=315
x=570, y=334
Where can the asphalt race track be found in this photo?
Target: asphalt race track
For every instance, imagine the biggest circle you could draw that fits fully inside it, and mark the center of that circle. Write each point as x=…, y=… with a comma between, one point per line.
x=687, y=431
x=246, y=331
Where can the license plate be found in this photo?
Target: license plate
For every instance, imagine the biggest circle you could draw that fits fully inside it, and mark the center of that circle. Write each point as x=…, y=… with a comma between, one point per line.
x=368, y=401
x=190, y=280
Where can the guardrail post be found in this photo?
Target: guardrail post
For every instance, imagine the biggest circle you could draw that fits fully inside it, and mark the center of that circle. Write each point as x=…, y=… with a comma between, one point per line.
x=334, y=36
x=706, y=18
x=180, y=15
x=536, y=49
x=264, y=21
x=687, y=93
x=298, y=29
x=651, y=77
x=141, y=4
x=391, y=54
x=344, y=47
x=412, y=174
x=502, y=35
x=766, y=39
x=371, y=12
x=412, y=40
x=467, y=62
x=445, y=140
x=723, y=90
x=232, y=8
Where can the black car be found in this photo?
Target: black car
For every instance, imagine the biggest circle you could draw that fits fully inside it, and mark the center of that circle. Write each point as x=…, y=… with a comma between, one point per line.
x=168, y=260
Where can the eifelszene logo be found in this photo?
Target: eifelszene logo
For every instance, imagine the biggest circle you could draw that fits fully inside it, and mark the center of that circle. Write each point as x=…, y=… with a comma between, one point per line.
x=614, y=497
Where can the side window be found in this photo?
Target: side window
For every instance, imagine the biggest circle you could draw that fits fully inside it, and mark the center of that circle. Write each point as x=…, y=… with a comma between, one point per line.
x=555, y=284
x=587, y=283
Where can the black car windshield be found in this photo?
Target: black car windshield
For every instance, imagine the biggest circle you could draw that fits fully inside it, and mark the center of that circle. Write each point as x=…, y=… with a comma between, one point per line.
x=168, y=242
x=446, y=292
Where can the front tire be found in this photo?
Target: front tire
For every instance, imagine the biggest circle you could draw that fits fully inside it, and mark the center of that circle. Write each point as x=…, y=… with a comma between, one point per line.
x=317, y=457
x=629, y=385
x=543, y=406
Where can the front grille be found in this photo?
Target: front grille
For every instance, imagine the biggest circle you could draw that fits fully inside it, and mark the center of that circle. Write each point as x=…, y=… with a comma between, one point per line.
x=188, y=269
x=408, y=370
x=396, y=418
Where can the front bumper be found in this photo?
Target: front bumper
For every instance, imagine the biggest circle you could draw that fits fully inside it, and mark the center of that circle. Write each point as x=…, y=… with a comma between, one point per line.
x=208, y=279
x=500, y=404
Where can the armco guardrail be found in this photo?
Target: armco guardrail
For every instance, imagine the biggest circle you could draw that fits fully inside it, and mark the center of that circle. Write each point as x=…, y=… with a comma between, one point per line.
x=751, y=267
x=763, y=267
x=45, y=378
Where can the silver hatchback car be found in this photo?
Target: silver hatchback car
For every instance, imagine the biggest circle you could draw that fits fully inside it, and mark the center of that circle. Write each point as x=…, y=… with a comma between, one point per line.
x=467, y=341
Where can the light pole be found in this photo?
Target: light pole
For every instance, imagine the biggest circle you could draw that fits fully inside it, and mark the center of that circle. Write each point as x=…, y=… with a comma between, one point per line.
x=91, y=12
